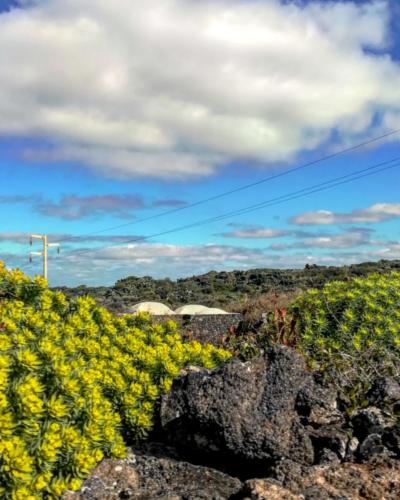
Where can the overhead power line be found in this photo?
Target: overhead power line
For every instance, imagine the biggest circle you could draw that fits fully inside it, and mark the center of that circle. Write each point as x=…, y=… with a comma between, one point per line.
x=301, y=193
x=243, y=187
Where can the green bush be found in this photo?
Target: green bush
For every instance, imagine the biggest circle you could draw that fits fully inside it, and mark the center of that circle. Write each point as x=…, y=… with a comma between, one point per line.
x=354, y=326
x=74, y=380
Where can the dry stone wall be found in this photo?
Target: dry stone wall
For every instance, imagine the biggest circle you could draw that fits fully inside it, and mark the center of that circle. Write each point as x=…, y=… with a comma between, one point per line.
x=204, y=327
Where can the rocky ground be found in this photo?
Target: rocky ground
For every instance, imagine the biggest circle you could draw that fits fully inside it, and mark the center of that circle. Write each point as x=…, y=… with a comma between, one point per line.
x=264, y=429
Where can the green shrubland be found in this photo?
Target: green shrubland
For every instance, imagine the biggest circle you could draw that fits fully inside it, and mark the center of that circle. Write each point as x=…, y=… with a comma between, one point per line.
x=352, y=328
x=74, y=380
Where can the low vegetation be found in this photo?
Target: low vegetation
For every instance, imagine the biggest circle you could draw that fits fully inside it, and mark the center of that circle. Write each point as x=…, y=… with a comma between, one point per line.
x=74, y=382
x=224, y=289
x=349, y=331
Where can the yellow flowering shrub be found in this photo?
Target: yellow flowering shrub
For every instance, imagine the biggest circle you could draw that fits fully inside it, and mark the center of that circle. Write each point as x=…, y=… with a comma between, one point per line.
x=351, y=317
x=74, y=379
x=350, y=331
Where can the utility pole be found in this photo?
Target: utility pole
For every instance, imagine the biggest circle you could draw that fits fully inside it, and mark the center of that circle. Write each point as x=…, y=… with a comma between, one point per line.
x=44, y=252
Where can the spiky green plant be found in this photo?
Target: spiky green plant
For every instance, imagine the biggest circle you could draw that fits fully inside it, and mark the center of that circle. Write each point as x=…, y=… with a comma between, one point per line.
x=353, y=326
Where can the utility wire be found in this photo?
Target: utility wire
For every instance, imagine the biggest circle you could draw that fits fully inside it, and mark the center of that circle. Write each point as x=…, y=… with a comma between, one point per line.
x=243, y=187
x=322, y=186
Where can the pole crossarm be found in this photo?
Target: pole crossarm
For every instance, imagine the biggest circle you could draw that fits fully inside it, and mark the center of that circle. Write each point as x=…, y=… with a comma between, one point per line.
x=44, y=252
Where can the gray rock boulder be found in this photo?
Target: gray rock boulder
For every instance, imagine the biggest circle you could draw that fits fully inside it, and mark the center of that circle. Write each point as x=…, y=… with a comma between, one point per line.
x=256, y=411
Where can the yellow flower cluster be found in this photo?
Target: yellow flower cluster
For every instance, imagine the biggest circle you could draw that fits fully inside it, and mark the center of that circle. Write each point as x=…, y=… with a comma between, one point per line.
x=73, y=380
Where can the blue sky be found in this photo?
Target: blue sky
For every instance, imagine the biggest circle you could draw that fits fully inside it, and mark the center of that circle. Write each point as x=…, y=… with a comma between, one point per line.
x=114, y=112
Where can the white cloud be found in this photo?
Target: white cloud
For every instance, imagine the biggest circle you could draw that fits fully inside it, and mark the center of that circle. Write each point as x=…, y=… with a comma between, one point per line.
x=310, y=218
x=376, y=213
x=174, y=88
x=389, y=209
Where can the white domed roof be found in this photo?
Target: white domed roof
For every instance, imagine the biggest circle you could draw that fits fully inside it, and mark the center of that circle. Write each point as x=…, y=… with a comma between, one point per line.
x=156, y=308
x=215, y=310
x=191, y=309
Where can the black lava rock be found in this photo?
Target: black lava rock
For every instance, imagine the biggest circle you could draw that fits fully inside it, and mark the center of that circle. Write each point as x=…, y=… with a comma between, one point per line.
x=249, y=413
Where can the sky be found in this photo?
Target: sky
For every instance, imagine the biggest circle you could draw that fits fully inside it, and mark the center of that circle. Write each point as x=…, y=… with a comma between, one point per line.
x=118, y=118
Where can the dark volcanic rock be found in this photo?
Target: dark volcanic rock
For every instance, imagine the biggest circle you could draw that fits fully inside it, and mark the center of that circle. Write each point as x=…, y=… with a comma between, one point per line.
x=372, y=445
x=256, y=411
x=391, y=439
x=384, y=393
x=330, y=438
x=326, y=456
x=368, y=421
x=143, y=477
x=318, y=404
x=377, y=433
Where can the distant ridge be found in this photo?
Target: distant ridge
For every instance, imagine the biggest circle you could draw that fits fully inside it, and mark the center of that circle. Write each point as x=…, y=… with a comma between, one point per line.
x=220, y=288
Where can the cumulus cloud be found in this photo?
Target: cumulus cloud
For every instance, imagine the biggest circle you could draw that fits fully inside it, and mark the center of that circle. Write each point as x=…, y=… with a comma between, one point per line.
x=379, y=212
x=175, y=88
x=388, y=209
